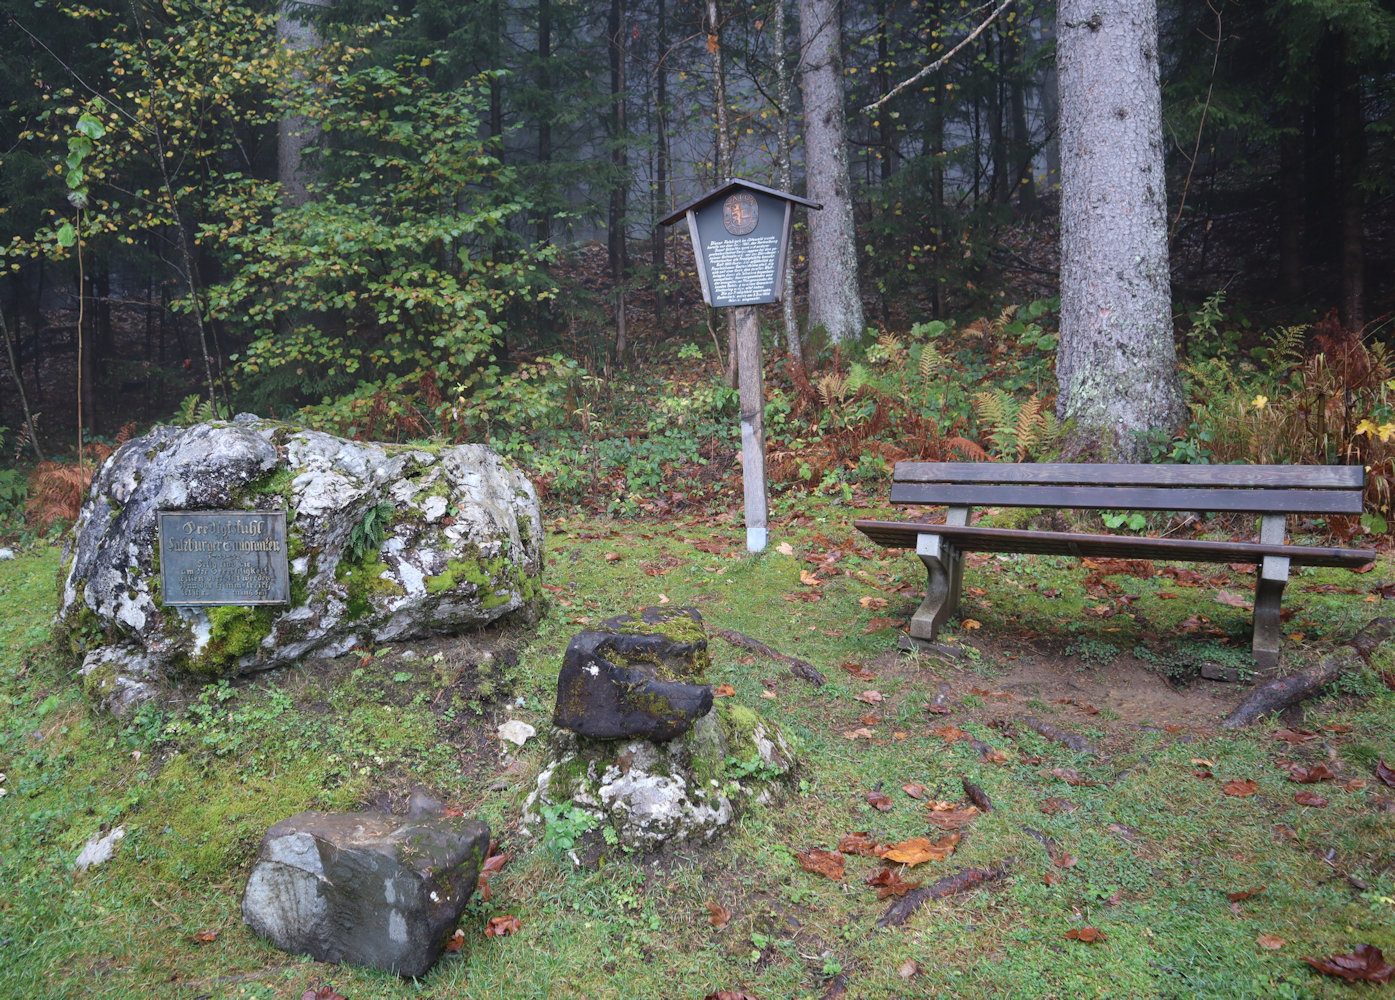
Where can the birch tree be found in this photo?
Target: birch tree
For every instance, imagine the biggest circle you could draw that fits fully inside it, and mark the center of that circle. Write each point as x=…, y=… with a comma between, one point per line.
x=1116, y=366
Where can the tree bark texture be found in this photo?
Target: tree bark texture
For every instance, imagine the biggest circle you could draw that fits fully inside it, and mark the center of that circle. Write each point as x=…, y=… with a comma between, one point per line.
x=297, y=33
x=1117, y=366
x=834, y=302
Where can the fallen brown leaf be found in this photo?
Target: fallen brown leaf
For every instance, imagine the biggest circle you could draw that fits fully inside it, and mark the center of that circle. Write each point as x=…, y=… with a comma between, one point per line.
x=871, y=697
x=206, y=937
x=1307, y=798
x=1310, y=775
x=1071, y=776
x=1053, y=878
x=1294, y=736
x=918, y=850
x=1385, y=773
x=861, y=844
x=501, y=926
x=1239, y=788
x=914, y=789
x=879, y=800
x=889, y=883
x=1232, y=600
x=323, y=993
x=1365, y=963
x=951, y=734
x=612, y=557
x=1236, y=897
x=859, y=671
x=821, y=862
x=873, y=603
x=456, y=941
x=1086, y=935
x=1270, y=942
x=910, y=967
x=995, y=757
x=723, y=691
x=859, y=734
x=953, y=819
x=719, y=915
x=727, y=994
x=1053, y=805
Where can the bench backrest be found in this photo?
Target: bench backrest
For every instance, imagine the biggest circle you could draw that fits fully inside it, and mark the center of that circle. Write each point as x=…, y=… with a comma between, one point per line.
x=1258, y=489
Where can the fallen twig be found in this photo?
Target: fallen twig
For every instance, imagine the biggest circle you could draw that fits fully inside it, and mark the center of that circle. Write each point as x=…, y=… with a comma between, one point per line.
x=1074, y=741
x=800, y=668
x=1280, y=694
x=971, y=878
x=977, y=796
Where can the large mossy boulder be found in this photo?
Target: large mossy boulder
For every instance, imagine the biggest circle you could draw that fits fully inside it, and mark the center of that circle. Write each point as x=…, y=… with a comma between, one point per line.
x=384, y=542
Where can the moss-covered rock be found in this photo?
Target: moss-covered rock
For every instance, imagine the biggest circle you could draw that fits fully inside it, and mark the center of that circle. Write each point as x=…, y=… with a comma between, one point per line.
x=458, y=549
x=653, y=795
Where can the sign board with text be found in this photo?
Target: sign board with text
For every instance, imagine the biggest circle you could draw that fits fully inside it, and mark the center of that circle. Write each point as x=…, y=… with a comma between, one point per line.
x=741, y=234
x=212, y=557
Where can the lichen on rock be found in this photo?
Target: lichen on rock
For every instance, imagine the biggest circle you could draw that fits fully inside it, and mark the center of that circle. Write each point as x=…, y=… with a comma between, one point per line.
x=461, y=549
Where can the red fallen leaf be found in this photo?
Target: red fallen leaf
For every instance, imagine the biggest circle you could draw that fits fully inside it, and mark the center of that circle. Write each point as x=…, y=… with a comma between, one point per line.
x=456, y=941
x=821, y=862
x=1053, y=805
x=1365, y=963
x=879, y=800
x=918, y=850
x=1071, y=776
x=877, y=624
x=951, y=734
x=889, y=883
x=1337, y=727
x=861, y=844
x=723, y=691
x=1307, y=798
x=1086, y=935
x=1202, y=772
x=1310, y=775
x=206, y=937
x=323, y=993
x=870, y=719
x=451, y=812
x=859, y=671
x=1236, y=897
x=1173, y=729
x=1385, y=773
x=1294, y=736
x=1240, y=788
x=1052, y=878
x=719, y=915
x=1064, y=860
x=502, y=925
x=494, y=863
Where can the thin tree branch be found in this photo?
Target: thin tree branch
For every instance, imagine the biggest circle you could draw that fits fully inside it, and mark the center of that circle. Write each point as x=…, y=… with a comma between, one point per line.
x=1200, y=127
x=926, y=71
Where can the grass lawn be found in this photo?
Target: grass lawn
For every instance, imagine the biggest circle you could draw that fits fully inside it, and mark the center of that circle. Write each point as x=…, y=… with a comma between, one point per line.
x=1145, y=846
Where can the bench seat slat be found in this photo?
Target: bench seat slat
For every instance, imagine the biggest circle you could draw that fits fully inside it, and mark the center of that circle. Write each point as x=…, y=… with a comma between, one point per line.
x=1308, y=477
x=1257, y=501
x=971, y=538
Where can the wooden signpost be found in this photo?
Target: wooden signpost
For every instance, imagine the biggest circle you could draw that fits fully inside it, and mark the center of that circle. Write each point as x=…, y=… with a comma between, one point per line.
x=741, y=236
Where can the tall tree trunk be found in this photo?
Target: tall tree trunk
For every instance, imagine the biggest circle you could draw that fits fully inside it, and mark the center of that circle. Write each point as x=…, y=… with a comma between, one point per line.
x=1353, y=202
x=1116, y=366
x=712, y=15
x=784, y=155
x=297, y=33
x=545, y=119
x=619, y=160
x=661, y=203
x=938, y=306
x=29, y=427
x=886, y=129
x=834, y=302
x=1291, y=200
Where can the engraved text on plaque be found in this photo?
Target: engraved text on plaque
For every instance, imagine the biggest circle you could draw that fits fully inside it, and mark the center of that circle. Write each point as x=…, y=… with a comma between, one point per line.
x=223, y=557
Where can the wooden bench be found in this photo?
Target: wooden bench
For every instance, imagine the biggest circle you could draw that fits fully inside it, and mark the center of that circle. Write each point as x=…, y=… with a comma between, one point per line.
x=1270, y=491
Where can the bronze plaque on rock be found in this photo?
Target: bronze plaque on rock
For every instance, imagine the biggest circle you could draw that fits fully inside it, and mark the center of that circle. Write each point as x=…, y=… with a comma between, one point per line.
x=223, y=557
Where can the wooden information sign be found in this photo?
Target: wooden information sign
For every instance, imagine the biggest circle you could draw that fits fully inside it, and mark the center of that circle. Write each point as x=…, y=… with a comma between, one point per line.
x=223, y=557
x=741, y=236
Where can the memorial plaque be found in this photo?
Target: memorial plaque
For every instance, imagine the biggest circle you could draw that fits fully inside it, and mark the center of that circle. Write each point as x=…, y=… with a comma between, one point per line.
x=223, y=557
x=741, y=242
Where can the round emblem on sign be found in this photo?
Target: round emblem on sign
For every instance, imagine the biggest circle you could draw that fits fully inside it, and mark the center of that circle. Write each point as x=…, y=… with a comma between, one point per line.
x=740, y=213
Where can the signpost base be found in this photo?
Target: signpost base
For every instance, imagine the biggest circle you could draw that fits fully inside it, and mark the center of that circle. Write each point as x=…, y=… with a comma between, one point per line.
x=751, y=393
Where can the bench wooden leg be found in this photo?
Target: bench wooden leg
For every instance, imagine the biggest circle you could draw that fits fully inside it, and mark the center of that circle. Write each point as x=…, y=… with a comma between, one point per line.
x=944, y=571
x=1269, y=594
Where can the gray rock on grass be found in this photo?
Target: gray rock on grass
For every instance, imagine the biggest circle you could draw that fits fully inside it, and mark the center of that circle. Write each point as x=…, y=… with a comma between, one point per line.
x=462, y=548
x=365, y=888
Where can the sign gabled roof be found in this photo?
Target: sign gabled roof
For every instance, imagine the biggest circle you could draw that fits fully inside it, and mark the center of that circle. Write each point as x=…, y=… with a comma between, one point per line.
x=732, y=185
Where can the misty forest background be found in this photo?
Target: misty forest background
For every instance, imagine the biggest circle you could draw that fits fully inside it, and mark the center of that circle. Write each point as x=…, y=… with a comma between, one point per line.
x=429, y=219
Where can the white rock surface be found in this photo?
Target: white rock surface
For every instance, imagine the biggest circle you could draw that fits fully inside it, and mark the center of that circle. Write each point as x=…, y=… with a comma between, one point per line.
x=426, y=576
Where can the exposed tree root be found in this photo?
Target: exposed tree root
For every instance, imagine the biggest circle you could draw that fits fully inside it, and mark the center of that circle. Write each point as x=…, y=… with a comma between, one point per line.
x=971, y=878
x=1074, y=741
x=800, y=668
x=1280, y=694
